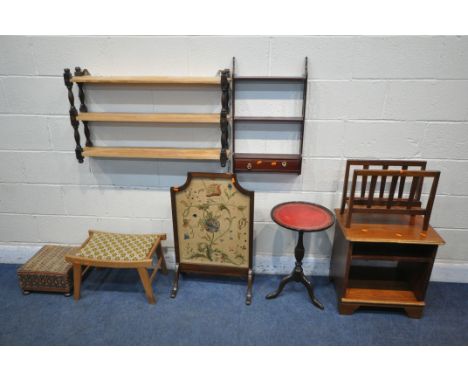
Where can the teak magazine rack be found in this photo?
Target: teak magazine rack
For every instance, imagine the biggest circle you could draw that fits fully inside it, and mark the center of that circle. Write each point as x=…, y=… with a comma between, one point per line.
x=373, y=199
x=268, y=162
x=384, y=250
x=83, y=77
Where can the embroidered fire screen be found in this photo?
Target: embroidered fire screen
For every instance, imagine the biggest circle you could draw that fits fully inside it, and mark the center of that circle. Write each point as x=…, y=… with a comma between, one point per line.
x=213, y=225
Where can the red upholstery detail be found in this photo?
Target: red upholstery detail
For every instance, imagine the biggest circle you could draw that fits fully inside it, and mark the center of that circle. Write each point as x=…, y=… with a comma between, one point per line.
x=302, y=216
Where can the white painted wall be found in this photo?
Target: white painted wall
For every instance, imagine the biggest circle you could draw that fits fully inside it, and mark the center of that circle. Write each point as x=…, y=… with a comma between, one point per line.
x=369, y=97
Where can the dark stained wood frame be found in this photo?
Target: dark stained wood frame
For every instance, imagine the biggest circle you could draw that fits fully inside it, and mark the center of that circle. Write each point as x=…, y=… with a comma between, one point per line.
x=369, y=202
x=213, y=269
x=263, y=162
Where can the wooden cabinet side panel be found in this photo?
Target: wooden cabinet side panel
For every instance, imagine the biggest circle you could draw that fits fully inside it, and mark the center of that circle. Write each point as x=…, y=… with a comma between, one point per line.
x=339, y=264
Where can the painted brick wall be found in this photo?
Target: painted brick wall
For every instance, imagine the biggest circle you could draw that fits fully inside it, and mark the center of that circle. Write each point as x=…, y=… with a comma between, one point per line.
x=369, y=97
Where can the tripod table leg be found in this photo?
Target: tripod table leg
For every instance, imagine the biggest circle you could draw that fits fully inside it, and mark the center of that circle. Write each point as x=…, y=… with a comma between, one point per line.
x=281, y=286
x=310, y=290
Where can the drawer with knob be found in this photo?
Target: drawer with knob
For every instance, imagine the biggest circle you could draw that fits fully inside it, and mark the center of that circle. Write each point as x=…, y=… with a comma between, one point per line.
x=282, y=163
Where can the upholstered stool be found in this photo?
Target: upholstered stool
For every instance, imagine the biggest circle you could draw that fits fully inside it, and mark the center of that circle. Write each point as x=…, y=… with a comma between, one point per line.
x=47, y=271
x=115, y=250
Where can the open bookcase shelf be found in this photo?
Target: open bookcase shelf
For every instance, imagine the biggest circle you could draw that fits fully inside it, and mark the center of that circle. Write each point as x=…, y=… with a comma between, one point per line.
x=268, y=162
x=393, y=294
x=380, y=285
x=385, y=264
x=82, y=77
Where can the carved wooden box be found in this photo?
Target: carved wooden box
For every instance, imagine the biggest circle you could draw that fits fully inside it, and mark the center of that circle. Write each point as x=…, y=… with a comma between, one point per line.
x=47, y=271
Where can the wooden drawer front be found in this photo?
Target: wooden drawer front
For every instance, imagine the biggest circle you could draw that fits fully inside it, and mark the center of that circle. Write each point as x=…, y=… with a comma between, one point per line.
x=267, y=165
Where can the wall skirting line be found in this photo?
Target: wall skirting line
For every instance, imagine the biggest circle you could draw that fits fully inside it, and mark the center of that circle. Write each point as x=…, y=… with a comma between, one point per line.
x=444, y=270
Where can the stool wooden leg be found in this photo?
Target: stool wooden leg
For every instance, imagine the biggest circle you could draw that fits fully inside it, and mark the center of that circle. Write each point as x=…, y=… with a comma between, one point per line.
x=163, y=260
x=76, y=281
x=145, y=280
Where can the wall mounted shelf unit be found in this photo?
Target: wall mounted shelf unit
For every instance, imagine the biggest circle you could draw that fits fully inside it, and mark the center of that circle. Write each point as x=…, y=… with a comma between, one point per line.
x=268, y=162
x=82, y=77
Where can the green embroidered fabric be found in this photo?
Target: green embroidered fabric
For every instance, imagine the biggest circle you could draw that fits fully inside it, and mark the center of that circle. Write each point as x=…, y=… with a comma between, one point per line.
x=213, y=220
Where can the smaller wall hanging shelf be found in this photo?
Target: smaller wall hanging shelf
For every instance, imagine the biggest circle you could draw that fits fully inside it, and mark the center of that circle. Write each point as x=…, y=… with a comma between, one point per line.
x=268, y=162
x=82, y=77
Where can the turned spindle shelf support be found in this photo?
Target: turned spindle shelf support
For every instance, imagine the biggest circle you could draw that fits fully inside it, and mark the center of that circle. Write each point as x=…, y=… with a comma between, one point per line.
x=73, y=115
x=224, y=123
x=83, y=108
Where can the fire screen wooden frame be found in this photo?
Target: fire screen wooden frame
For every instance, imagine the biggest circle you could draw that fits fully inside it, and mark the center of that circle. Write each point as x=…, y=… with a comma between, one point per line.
x=213, y=227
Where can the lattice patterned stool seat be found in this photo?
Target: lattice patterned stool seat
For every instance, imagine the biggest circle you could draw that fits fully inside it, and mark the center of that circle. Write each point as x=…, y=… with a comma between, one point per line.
x=47, y=271
x=116, y=250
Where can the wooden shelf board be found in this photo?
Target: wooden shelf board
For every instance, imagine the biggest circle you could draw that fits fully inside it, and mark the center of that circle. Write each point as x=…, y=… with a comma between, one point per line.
x=153, y=153
x=381, y=297
x=270, y=78
x=147, y=80
x=266, y=156
x=387, y=229
x=262, y=171
x=155, y=118
x=269, y=119
x=411, y=259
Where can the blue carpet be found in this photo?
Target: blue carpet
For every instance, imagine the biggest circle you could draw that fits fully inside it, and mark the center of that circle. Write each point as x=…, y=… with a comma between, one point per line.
x=113, y=311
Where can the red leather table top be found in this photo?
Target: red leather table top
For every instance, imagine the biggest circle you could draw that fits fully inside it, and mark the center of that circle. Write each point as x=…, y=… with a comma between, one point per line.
x=302, y=216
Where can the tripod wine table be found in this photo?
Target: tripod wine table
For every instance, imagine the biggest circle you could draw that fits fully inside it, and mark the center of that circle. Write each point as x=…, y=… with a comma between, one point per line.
x=301, y=217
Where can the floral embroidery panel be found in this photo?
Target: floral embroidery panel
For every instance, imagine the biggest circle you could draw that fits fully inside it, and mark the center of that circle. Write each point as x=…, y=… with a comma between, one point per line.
x=213, y=220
